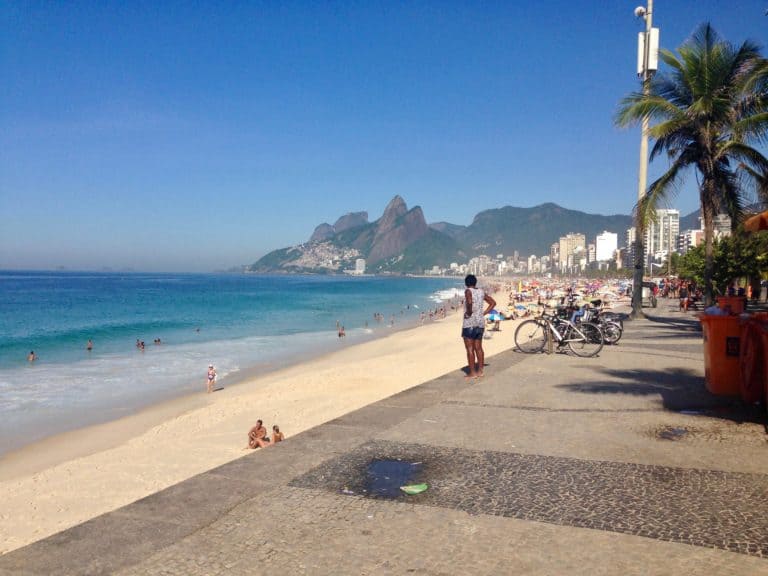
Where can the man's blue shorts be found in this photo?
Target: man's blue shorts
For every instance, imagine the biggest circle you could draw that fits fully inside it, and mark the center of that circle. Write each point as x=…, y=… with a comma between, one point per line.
x=475, y=333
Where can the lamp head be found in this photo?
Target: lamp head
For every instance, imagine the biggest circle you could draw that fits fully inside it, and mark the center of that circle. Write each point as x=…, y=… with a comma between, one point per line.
x=640, y=12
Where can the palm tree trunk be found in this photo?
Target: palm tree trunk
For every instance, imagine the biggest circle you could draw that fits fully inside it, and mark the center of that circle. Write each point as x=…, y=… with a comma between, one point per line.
x=708, y=214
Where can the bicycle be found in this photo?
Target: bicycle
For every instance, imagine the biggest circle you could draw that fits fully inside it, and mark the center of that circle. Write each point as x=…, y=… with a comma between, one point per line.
x=611, y=328
x=584, y=339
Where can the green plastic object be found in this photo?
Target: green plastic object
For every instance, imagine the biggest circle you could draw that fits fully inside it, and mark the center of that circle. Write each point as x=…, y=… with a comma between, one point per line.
x=414, y=488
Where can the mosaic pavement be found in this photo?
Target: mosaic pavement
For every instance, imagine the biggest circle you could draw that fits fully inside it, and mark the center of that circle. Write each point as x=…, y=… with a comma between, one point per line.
x=705, y=508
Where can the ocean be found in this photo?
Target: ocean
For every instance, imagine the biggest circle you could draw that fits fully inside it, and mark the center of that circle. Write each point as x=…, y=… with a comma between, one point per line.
x=236, y=322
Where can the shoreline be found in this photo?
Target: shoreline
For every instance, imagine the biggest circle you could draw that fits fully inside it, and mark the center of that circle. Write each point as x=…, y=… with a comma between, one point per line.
x=84, y=440
x=71, y=477
x=156, y=400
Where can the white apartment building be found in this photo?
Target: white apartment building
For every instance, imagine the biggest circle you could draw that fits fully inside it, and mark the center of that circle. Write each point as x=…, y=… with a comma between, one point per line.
x=689, y=239
x=722, y=225
x=661, y=236
x=570, y=244
x=606, y=245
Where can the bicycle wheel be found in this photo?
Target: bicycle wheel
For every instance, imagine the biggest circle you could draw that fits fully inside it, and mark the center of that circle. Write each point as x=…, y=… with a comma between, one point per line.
x=531, y=336
x=611, y=317
x=611, y=332
x=585, y=340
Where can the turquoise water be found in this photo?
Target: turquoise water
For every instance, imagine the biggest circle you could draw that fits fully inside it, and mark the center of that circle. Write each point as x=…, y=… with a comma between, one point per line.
x=236, y=322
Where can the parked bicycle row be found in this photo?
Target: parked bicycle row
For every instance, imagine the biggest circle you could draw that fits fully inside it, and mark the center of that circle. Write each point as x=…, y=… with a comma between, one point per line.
x=583, y=330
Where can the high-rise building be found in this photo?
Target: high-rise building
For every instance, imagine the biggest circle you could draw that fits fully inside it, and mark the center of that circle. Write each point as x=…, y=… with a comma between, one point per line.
x=605, y=246
x=629, y=253
x=689, y=239
x=661, y=235
x=534, y=265
x=722, y=225
x=554, y=255
x=569, y=245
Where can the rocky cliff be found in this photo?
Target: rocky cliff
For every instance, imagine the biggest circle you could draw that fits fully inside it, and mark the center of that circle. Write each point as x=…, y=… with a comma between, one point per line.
x=397, y=228
x=352, y=220
x=382, y=243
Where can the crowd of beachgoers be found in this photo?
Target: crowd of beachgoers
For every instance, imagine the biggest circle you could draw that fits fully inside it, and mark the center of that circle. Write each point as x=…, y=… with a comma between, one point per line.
x=531, y=295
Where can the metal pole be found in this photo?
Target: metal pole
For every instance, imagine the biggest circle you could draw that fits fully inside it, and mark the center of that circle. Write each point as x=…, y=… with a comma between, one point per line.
x=669, y=240
x=642, y=179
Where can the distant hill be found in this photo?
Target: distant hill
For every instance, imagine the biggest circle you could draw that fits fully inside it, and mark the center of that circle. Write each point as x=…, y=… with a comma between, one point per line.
x=534, y=230
x=352, y=220
x=690, y=221
x=401, y=240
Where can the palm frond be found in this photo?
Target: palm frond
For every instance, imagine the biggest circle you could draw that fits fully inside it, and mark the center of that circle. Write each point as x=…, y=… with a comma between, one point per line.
x=660, y=191
x=756, y=181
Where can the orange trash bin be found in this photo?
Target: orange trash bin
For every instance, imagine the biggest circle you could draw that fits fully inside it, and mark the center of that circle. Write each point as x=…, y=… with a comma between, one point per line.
x=722, y=344
x=764, y=334
x=752, y=361
x=734, y=304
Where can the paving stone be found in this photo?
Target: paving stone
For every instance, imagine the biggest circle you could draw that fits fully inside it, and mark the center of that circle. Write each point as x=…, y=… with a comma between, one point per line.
x=706, y=508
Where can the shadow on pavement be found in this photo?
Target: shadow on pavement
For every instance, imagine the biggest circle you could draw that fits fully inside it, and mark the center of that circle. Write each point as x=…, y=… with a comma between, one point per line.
x=685, y=323
x=679, y=389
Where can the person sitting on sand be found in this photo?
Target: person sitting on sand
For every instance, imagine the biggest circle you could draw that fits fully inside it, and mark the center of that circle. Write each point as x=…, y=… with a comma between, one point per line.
x=257, y=435
x=277, y=436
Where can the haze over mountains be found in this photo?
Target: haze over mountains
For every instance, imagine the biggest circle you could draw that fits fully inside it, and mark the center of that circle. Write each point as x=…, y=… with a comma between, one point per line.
x=402, y=241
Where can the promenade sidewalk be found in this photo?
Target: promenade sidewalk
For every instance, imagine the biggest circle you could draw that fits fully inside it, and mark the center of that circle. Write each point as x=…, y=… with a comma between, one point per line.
x=550, y=464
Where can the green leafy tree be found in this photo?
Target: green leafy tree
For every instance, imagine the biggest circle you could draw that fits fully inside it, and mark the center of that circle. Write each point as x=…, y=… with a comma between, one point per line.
x=707, y=113
x=735, y=257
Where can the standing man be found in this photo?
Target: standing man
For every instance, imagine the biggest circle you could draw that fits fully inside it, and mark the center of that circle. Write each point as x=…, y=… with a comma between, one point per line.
x=473, y=326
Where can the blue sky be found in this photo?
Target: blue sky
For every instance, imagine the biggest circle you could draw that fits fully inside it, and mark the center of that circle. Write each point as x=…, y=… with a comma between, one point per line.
x=194, y=136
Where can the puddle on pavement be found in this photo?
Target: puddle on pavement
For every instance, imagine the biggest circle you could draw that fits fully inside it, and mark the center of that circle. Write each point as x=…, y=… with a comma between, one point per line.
x=384, y=477
x=672, y=433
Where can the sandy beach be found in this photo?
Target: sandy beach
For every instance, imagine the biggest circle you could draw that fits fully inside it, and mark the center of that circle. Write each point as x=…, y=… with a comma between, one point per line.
x=70, y=478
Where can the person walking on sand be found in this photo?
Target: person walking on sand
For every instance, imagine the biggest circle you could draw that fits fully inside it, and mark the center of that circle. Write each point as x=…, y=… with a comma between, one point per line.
x=211, y=378
x=473, y=325
x=257, y=436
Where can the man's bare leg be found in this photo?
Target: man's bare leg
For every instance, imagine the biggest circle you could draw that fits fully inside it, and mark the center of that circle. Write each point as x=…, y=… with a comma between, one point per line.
x=480, y=357
x=469, y=345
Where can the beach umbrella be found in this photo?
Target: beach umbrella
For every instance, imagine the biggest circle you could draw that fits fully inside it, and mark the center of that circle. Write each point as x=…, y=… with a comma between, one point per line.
x=757, y=222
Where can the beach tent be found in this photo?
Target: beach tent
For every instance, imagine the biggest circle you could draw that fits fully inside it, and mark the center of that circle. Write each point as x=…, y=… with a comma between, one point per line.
x=757, y=222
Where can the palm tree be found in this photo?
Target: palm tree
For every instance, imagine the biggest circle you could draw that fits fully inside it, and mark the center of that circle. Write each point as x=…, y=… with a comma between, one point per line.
x=707, y=113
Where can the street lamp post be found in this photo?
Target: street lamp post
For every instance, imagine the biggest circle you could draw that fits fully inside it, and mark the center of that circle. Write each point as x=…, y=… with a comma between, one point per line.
x=647, y=63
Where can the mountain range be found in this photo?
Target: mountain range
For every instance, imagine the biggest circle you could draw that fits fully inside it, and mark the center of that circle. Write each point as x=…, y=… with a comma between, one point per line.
x=401, y=240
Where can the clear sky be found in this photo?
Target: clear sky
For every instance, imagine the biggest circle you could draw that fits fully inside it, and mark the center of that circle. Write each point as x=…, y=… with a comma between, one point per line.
x=193, y=136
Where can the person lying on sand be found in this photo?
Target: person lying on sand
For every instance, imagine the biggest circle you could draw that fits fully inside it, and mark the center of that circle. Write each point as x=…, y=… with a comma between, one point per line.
x=257, y=434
